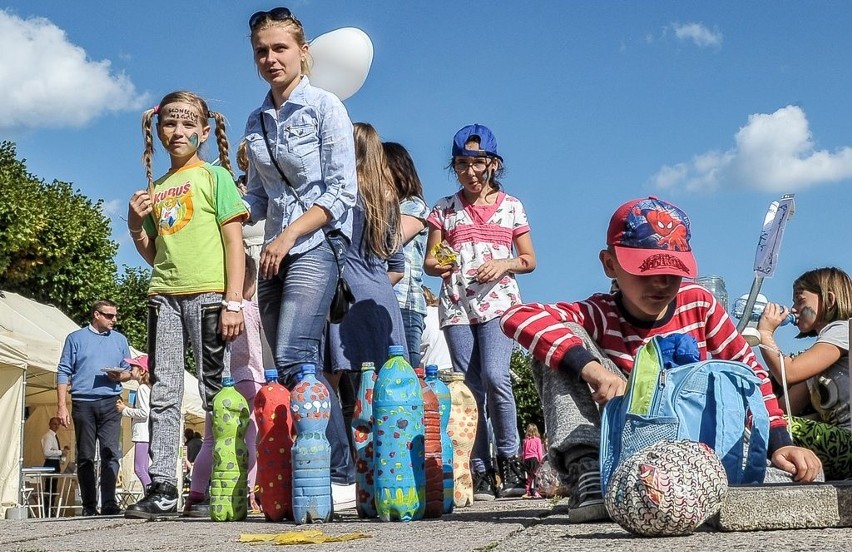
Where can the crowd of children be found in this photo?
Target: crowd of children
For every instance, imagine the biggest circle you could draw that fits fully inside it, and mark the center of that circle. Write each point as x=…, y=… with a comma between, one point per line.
x=335, y=199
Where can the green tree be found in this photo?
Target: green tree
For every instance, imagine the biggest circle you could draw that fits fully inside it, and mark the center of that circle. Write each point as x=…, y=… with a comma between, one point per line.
x=526, y=396
x=55, y=244
x=131, y=296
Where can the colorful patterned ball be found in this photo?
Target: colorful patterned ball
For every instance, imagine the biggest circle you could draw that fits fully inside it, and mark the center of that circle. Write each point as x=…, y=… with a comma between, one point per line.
x=667, y=489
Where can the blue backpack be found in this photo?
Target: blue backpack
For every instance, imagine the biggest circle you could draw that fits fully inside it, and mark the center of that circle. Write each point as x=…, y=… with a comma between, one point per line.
x=670, y=397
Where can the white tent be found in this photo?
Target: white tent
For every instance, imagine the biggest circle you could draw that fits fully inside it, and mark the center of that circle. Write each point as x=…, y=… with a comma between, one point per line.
x=31, y=340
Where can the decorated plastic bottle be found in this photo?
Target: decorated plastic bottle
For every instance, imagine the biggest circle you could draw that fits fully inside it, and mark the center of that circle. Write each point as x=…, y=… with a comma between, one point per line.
x=311, y=456
x=274, y=444
x=362, y=437
x=229, y=479
x=432, y=433
x=462, y=430
x=398, y=441
x=444, y=405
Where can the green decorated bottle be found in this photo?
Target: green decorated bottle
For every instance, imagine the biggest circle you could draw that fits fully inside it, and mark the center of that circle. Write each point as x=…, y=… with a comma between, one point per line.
x=229, y=479
x=398, y=441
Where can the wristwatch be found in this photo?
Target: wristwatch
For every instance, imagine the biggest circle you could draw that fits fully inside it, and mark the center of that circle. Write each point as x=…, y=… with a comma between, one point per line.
x=233, y=306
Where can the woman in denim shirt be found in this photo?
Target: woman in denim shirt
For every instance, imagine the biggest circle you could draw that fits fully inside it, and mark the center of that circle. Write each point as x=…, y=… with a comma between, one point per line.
x=310, y=135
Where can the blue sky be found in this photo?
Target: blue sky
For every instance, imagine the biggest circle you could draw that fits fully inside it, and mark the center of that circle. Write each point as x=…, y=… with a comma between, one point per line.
x=719, y=107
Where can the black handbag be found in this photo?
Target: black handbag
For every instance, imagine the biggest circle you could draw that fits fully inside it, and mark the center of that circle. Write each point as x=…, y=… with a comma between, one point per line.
x=343, y=296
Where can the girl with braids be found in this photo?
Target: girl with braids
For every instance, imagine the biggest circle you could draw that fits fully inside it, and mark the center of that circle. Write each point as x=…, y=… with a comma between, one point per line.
x=822, y=303
x=188, y=227
x=301, y=179
x=374, y=262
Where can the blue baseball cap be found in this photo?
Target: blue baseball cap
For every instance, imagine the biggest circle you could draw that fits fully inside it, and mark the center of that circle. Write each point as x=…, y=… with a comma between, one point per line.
x=486, y=139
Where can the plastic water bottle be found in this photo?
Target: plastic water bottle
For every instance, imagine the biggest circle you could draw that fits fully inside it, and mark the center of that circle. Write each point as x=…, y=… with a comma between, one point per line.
x=464, y=415
x=444, y=406
x=433, y=470
x=716, y=286
x=362, y=437
x=274, y=444
x=311, y=455
x=398, y=441
x=759, y=305
x=229, y=479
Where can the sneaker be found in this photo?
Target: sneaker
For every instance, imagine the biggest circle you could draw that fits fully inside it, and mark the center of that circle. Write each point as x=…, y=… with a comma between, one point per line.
x=111, y=511
x=513, y=476
x=343, y=496
x=484, y=486
x=197, y=510
x=88, y=512
x=161, y=501
x=586, y=503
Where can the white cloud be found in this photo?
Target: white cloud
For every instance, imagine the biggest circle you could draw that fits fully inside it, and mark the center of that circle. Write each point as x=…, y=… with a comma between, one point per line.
x=50, y=82
x=774, y=152
x=698, y=34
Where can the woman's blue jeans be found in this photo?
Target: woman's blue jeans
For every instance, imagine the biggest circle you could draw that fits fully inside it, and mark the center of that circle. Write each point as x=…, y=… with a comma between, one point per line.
x=413, y=322
x=294, y=306
x=483, y=353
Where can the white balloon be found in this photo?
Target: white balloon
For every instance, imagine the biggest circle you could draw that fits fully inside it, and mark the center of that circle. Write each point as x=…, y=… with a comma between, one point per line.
x=341, y=61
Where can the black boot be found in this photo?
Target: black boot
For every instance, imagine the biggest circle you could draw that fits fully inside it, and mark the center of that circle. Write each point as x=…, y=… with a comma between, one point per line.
x=161, y=501
x=513, y=476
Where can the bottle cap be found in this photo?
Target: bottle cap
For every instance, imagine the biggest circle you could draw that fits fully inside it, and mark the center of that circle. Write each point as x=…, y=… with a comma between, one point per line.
x=270, y=375
x=396, y=350
x=227, y=381
x=432, y=370
x=367, y=366
x=308, y=368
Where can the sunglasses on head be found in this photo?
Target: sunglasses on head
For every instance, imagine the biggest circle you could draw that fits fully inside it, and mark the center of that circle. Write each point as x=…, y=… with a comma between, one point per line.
x=275, y=14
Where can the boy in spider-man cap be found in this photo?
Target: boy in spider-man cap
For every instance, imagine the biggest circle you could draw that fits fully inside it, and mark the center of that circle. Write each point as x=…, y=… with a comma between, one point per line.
x=590, y=345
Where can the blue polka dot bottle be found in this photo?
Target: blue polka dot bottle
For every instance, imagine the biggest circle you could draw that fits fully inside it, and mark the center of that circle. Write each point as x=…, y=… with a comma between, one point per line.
x=229, y=479
x=311, y=454
x=398, y=441
x=362, y=438
x=444, y=406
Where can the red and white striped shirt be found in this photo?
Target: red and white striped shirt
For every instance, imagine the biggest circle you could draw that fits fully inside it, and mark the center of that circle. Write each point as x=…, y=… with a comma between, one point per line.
x=542, y=330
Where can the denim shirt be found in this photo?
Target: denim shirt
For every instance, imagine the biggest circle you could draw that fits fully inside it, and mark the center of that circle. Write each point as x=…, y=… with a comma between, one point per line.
x=311, y=137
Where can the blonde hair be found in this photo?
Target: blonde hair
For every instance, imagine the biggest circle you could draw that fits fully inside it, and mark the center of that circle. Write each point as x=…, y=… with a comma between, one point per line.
x=242, y=155
x=823, y=281
x=532, y=431
x=193, y=99
x=375, y=186
x=295, y=28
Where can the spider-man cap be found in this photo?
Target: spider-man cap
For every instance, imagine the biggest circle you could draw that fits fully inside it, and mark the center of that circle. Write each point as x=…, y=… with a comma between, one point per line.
x=651, y=236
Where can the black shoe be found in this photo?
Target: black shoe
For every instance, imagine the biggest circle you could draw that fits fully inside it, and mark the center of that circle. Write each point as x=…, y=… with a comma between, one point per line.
x=484, y=486
x=161, y=501
x=586, y=502
x=111, y=511
x=88, y=512
x=512, y=475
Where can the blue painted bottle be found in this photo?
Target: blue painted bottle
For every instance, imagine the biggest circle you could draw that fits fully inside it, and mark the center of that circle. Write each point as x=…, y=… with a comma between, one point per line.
x=311, y=454
x=229, y=478
x=362, y=438
x=398, y=441
x=444, y=406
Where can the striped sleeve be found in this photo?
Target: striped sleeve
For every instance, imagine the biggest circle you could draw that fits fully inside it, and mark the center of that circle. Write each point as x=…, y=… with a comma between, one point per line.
x=723, y=341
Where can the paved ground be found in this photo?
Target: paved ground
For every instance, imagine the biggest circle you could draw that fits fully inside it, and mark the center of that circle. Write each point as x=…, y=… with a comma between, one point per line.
x=508, y=525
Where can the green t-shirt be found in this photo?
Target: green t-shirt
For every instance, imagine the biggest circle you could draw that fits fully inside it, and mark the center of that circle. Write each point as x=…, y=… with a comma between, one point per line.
x=190, y=206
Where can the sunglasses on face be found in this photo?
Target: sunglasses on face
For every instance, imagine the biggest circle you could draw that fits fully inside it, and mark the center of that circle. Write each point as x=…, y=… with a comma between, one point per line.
x=275, y=14
x=108, y=315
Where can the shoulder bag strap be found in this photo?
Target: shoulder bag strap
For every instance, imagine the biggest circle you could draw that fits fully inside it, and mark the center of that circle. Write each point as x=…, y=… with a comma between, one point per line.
x=295, y=193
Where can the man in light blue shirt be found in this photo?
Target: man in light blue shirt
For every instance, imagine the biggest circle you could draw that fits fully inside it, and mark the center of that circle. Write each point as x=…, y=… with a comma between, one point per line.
x=87, y=356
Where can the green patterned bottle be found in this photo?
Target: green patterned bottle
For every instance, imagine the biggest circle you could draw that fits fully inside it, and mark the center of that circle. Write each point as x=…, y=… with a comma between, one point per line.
x=229, y=480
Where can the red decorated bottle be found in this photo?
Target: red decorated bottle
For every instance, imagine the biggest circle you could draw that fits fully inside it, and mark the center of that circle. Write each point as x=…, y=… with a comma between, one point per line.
x=274, y=441
x=433, y=469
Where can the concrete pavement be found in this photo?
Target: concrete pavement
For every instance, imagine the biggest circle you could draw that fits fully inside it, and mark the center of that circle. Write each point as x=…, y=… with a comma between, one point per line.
x=510, y=525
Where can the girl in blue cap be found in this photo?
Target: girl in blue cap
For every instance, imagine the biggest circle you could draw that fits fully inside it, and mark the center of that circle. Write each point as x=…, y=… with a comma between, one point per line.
x=488, y=231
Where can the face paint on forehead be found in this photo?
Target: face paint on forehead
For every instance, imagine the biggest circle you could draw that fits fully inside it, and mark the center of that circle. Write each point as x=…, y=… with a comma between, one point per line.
x=180, y=113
